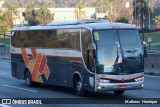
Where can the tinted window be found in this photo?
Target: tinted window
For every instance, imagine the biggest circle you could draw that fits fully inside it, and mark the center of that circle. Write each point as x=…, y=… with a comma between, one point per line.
x=62, y=38
x=108, y=52
x=86, y=41
x=118, y=51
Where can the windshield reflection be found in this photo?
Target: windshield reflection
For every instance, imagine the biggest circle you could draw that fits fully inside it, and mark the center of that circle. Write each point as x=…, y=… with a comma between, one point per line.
x=118, y=51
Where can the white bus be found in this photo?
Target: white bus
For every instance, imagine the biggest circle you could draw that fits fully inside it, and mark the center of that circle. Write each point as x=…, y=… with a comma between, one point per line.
x=86, y=55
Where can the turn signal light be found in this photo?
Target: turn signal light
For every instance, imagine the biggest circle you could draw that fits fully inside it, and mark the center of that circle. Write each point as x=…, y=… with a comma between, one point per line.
x=103, y=81
x=139, y=79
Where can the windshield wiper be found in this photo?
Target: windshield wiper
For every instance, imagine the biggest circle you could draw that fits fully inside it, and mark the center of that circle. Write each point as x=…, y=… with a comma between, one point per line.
x=131, y=51
x=131, y=57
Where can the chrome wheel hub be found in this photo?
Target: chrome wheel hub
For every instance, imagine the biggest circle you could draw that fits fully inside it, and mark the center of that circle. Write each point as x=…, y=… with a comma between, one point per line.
x=79, y=85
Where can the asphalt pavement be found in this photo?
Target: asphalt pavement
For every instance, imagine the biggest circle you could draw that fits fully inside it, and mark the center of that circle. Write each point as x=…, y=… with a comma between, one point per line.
x=13, y=88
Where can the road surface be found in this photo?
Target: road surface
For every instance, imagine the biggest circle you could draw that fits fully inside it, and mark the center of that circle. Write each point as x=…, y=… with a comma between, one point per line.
x=13, y=88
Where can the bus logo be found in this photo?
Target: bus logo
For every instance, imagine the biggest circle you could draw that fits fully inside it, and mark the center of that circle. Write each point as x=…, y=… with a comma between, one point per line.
x=122, y=79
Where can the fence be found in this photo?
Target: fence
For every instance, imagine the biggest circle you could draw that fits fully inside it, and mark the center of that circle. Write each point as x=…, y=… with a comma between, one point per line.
x=152, y=63
x=4, y=51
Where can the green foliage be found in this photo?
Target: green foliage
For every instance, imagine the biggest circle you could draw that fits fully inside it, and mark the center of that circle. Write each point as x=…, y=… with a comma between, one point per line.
x=1, y=13
x=154, y=35
x=106, y=6
x=10, y=14
x=5, y=41
x=6, y=18
x=140, y=6
x=124, y=17
x=147, y=30
x=4, y=28
x=79, y=12
x=123, y=20
x=37, y=16
x=43, y=16
x=80, y=6
x=30, y=14
x=157, y=20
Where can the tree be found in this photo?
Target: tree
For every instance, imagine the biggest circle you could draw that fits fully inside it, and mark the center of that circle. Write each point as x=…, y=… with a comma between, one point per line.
x=30, y=14
x=79, y=12
x=4, y=27
x=1, y=13
x=123, y=20
x=37, y=16
x=157, y=20
x=110, y=17
x=103, y=6
x=156, y=11
x=43, y=16
x=140, y=11
x=10, y=13
x=125, y=16
x=108, y=7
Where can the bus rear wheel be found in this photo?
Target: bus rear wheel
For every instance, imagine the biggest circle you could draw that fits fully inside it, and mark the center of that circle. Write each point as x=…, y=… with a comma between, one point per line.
x=28, y=79
x=119, y=92
x=79, y=87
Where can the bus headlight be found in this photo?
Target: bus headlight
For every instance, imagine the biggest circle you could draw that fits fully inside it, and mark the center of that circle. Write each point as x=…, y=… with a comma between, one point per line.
x=139, y=79
x=103, y=81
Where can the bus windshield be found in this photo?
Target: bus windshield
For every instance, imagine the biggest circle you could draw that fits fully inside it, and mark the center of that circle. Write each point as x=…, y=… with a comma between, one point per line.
x=118, y=51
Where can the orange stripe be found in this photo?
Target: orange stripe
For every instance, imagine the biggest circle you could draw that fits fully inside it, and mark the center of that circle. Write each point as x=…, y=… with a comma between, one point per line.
x=25, y=56
x=36, y=66
x=34, y=53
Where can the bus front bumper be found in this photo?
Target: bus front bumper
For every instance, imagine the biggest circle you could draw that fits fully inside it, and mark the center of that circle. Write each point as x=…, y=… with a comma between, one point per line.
x=119, y=86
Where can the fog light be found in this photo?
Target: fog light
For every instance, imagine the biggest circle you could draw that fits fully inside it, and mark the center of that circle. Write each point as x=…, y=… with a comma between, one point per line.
x=142, y=85
x=99, y=87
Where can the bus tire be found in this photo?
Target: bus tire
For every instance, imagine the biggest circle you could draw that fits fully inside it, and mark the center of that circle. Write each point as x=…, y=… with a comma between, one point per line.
x=119, y=92
x=28, y=79
x=79, y=87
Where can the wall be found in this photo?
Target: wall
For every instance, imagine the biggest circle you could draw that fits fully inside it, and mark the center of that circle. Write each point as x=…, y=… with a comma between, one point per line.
x=152, y=64
x=5, y=52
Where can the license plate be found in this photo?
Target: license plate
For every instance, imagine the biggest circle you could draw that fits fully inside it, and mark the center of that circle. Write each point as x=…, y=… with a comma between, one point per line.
x=122, y=86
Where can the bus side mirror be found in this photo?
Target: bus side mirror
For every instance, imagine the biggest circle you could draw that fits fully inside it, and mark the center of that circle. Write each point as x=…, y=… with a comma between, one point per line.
x=144, y=48
x=145, y=51
x=91, y=54
x=92, y=50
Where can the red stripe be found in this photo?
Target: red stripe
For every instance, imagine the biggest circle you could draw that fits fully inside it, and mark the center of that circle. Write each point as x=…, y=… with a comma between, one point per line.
x=42, y=65
x=121, y=80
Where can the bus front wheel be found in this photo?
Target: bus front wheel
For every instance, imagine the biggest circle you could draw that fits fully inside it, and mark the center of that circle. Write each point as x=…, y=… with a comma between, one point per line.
x=79, y=87
x=119, y=92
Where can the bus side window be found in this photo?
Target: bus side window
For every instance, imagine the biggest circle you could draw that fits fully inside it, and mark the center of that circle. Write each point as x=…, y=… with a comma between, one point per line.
x=87, y=54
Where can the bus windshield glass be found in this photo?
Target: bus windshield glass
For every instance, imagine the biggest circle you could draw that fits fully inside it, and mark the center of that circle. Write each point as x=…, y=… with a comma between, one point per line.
x=118, y=51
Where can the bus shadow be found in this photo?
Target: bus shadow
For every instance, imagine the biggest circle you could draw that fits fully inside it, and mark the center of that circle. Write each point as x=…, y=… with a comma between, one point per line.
x=72, y=93
x=58, y=89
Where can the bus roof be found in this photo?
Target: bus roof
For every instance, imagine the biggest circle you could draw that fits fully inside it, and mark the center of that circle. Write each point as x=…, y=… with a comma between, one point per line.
x=90, y=24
